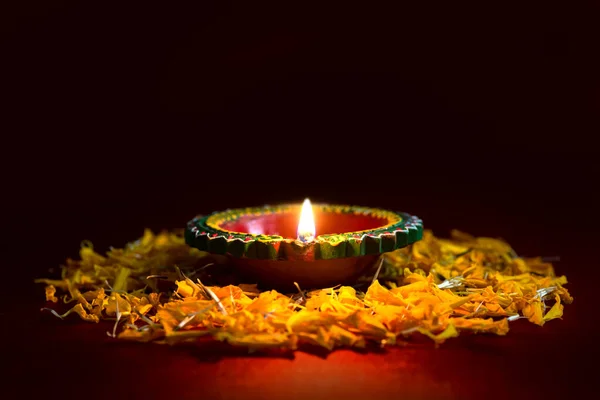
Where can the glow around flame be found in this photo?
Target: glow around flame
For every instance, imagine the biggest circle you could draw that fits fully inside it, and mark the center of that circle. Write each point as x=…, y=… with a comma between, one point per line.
x=306, y=226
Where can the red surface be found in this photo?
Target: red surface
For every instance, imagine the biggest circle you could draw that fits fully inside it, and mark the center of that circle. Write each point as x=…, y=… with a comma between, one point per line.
x=531, y=362
x=72, y=359
x=286, y=224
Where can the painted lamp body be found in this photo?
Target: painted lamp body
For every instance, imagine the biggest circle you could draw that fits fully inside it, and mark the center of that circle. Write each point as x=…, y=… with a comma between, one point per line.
x=261, y=242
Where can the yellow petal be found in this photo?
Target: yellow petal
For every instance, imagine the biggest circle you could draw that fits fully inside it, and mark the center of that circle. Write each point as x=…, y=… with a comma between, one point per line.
x=556, y=311
x=143, y=309
x=184, y=289
x=50, y=291
x=441, y=337
x=488, y=325
x=123, y=304
x=120, y=283
x=259, y=340
x=145, y=335
x=533, y=312
x=377, y=293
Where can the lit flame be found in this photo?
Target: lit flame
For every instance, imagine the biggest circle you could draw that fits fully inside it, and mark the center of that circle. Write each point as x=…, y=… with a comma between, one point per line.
x=306, y=226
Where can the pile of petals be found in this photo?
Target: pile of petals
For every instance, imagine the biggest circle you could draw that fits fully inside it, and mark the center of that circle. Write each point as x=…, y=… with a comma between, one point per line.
x=157, y=289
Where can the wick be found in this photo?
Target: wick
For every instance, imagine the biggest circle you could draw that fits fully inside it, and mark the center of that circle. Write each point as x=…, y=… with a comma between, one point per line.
x=305, y=237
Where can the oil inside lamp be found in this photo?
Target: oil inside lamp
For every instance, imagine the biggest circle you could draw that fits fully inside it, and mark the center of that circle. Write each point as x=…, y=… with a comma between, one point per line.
x=306, y=226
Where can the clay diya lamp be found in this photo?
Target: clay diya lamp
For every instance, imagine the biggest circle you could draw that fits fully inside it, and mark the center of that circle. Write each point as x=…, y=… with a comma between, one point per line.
x=316, y=246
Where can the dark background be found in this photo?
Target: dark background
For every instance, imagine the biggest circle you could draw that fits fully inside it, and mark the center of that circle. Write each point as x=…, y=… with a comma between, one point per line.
x=480, y=116
x=131, y=114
